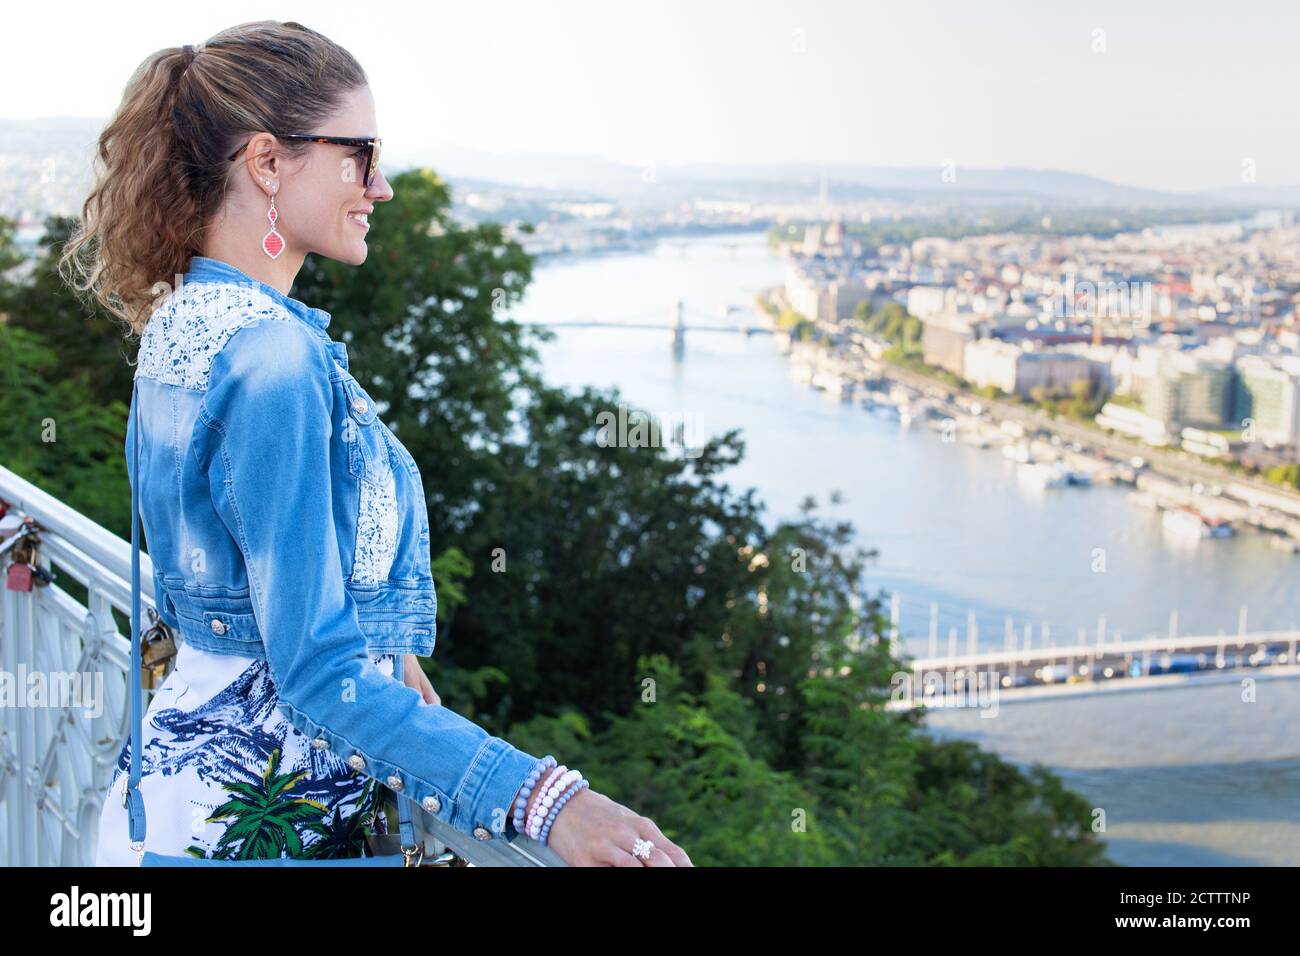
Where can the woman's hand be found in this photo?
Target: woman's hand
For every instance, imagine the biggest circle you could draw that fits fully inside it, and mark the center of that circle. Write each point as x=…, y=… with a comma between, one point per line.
x=413, y=676
x=593, y=830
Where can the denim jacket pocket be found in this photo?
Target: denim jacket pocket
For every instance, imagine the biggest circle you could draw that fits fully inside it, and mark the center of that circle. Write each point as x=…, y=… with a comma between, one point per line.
x=368, y=456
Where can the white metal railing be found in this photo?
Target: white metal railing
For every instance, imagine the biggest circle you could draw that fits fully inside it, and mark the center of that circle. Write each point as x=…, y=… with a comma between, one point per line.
x=59, y=740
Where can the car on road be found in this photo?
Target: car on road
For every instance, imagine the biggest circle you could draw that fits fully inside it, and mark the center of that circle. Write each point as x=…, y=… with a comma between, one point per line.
x=1178, y=663
x=1052, y=674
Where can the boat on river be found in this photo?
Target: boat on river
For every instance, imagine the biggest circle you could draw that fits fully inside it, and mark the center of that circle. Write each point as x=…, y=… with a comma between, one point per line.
x=1043, y=474
x=1187, y=523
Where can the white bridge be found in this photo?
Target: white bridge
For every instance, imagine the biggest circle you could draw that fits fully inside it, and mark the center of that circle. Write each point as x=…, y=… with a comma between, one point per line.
x=676, y=325
x=1149, y=663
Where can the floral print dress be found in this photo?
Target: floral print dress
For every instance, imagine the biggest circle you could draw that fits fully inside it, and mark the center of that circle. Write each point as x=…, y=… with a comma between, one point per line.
x=226, y=776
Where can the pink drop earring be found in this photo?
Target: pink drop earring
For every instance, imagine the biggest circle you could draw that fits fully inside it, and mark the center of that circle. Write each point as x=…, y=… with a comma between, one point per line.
x=272, y=242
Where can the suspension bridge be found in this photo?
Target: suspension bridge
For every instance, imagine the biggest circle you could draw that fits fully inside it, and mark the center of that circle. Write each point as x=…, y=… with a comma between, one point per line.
x=675, y=325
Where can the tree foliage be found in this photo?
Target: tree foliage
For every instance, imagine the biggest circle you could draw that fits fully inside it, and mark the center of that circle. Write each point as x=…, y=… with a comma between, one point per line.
x=621, y=607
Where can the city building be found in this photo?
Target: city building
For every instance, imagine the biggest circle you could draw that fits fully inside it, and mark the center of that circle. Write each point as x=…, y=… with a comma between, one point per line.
x=1268, y=400
x=1019, y=370
x=1187, y=388
x=944, y=339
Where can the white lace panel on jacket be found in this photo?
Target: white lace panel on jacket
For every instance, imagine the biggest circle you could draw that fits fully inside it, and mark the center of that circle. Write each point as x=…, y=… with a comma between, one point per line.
x=193, y=323
x=376, y=530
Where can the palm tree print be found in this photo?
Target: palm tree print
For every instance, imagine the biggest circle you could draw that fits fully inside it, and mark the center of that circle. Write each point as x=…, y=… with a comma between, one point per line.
x=342, y=837
x=264, y=818
x=271, y=793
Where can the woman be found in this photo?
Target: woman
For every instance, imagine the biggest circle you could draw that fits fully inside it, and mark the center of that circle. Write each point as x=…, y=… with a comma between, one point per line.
x=286, y=523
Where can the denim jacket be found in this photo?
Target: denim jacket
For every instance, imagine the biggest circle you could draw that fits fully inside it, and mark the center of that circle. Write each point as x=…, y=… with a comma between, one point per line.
x=285, y=521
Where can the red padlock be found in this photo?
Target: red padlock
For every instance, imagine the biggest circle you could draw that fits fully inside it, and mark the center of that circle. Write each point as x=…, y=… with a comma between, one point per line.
x=20, y=577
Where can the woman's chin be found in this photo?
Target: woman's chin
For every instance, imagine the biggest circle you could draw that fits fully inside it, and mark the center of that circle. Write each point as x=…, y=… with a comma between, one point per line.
x=354, y=253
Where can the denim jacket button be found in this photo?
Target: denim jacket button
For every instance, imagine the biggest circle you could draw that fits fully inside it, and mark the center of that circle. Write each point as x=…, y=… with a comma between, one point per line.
x=360, y=405
x=320, y=743
x=482, y=833
x=394, y=782
x=218, y=626
x=357, y=762
x=431, y=804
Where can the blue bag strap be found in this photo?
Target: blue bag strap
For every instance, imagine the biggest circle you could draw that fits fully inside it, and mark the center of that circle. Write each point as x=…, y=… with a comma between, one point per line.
x=405, y=827
x=131, y=797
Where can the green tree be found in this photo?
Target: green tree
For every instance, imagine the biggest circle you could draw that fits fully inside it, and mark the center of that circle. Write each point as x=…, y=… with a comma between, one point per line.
x=92, y=344
x=577, y=573
x=57, y=435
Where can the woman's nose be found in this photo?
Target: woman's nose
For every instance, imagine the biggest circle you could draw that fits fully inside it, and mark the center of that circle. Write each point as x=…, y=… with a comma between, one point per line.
x=380, y=190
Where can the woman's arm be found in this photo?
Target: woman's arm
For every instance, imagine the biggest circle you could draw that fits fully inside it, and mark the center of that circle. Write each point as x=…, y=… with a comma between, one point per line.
x=268, y=415
x=414, y=677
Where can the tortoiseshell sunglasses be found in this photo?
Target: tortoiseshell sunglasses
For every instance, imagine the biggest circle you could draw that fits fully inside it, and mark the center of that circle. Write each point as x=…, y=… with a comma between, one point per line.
x=370, y=146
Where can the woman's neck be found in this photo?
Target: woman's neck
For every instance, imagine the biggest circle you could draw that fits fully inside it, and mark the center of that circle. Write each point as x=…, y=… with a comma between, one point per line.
x=250, y=259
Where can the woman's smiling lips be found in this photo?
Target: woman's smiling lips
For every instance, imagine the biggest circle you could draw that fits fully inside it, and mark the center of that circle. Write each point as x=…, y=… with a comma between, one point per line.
x=361, y=217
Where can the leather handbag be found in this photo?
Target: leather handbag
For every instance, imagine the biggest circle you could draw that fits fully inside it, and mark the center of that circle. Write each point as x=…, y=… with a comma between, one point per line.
x=411, y=853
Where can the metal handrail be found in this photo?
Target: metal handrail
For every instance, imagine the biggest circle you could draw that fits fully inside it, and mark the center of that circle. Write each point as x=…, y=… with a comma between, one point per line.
x=56, y=762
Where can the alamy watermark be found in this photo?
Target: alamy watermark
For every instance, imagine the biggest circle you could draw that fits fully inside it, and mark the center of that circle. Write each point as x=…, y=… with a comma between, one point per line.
x=1085, y=299
x=75, y=908
x=55, y=689
x=634, y=428
x=947, y=689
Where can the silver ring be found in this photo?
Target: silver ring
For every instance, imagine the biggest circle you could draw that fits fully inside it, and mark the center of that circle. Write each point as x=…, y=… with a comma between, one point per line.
x=641, y=849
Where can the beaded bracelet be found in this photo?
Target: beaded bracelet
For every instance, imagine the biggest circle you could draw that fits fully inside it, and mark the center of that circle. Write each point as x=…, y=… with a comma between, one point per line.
x=577, y=785
x=554, y=798
x=562, y=784
x=526, y=790
x=544, y=801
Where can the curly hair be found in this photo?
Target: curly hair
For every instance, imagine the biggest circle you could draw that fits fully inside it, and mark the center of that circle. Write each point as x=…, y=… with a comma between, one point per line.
x=161, y=165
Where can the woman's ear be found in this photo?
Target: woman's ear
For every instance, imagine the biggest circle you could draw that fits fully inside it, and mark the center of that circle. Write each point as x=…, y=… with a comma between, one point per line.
x=263, y=162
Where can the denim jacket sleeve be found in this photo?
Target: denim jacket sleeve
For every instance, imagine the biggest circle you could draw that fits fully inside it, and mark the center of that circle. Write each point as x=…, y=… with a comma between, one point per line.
x=269, y=408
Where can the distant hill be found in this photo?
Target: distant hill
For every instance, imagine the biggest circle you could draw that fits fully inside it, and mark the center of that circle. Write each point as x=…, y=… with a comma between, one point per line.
x=1256, y=194
x=1044, y=184
x=48, y=159
x=799, y=181
x=49, y=134
x=794, y=182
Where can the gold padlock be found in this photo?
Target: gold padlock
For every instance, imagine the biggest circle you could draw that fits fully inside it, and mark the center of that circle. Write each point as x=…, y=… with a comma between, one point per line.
x=157, y=650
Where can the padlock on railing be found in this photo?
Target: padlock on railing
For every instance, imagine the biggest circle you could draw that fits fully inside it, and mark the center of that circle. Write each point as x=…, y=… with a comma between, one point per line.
x=22, y=573
x=19, y=577
x=157, y=650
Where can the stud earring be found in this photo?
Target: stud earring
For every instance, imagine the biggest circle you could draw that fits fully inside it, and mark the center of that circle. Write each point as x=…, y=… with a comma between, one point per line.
x=272, y=242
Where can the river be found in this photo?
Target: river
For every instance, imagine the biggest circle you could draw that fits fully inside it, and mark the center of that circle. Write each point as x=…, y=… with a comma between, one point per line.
x=1188, y=776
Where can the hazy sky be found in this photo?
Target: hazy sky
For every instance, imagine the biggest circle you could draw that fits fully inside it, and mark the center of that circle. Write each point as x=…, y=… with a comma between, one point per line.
x=1171, y=95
